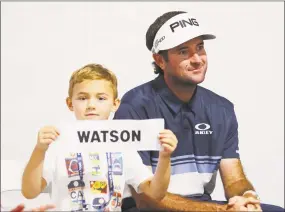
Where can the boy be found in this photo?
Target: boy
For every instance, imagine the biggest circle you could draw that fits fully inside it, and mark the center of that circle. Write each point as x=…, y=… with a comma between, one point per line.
x=86, y=181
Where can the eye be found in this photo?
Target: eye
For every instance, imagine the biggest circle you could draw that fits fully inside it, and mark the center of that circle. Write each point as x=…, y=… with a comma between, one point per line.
x=82, y=98
x=200, y=47
x=183, y=52
x=102, y=98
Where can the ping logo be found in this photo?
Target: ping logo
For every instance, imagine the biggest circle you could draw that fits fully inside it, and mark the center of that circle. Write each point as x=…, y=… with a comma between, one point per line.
x=203, y=129
x=183, y=23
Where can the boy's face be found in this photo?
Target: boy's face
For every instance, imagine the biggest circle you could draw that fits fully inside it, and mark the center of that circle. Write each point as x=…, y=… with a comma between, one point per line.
x=92, y=100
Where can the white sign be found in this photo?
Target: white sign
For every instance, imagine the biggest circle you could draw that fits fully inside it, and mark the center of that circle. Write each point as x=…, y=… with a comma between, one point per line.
x=110, y=135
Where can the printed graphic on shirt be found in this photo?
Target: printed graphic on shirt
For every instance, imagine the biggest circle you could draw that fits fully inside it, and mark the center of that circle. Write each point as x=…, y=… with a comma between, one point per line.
x=117, y=163
x=98, y=187
x=118, y=181
x=116, y=200
x=95, y=162
x=72, y=165
x=75, y=188
x=98, y=203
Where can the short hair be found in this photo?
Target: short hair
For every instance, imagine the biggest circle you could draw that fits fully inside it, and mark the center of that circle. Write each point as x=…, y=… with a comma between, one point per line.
x=151, y=32
x=93, y=72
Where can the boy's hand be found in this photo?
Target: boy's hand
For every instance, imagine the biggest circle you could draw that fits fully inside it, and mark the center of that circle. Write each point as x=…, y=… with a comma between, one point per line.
x=168, y=142
x=46, y=136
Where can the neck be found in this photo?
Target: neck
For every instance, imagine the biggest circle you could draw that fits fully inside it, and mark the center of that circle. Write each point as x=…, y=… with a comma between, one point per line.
x=183, y=91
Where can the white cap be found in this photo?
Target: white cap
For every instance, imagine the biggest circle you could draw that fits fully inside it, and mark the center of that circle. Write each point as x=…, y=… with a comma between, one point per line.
x=177, y=30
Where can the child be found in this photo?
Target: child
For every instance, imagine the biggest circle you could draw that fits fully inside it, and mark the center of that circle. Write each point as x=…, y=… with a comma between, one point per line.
x=86, y=181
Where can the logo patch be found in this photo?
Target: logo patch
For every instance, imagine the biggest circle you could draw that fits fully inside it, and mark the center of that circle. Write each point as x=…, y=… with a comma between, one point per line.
x=98, y=187
x=203, y=129
x=117, y=163
x=98, y=203
x=95, y=161
x=76, y=194
x=159, y=41
x=116, y=200
x=72, y=166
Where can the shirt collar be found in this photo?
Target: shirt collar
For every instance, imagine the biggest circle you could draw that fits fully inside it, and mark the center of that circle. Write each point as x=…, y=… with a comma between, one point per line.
x=171, y=100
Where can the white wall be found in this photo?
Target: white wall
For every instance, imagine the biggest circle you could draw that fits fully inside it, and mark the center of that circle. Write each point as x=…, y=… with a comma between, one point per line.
x=43, y=43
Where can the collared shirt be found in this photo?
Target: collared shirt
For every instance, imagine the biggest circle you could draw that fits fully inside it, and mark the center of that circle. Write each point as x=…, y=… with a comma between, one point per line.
x=206, y=129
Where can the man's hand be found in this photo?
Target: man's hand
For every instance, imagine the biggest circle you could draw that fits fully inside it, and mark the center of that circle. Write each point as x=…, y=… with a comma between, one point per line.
x=243, y=203
x=46, y=136
x=168, y=142
x=252, y=207
x=21, y=208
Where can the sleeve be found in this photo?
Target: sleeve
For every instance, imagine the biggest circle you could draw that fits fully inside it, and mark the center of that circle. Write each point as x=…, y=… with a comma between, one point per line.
x=231, y=147
x=135, y=171
x=48, y=164
x=126, y=111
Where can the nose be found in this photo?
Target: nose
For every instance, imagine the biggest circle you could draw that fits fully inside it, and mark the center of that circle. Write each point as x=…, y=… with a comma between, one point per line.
x=91, y=104
x=195, y=59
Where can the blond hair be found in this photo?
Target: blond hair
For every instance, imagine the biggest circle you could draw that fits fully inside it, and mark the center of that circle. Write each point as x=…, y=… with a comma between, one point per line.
x=93, y=72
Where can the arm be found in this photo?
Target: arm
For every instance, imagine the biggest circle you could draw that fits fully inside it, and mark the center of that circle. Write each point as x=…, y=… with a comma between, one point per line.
x=173, y=202
x=156, y=188
x=33, y=182
x=233, y=178
x=232, y=175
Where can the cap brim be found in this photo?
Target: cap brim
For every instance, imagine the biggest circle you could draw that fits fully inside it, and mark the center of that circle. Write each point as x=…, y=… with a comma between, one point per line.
x=207, y=36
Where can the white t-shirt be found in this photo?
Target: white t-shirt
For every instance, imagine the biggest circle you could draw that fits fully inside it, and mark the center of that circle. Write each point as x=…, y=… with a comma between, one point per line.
x=91, y=180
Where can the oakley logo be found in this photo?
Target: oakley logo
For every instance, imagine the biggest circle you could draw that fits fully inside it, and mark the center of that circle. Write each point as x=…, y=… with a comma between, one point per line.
x=202, y=129
x=183, y=23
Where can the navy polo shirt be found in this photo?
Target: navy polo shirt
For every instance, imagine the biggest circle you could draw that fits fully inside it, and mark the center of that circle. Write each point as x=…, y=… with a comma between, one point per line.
x=206, y=128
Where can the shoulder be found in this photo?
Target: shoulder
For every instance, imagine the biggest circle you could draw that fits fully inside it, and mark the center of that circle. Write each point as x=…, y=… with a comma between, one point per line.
x=209, y=97
x=140, y=95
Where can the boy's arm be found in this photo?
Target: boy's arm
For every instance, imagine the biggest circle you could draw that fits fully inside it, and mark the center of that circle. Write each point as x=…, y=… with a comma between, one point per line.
x=32, y=182
x=156, y=188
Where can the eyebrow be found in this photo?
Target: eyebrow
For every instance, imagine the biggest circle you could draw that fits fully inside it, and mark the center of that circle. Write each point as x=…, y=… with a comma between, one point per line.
x=202, y=42
x=84, y=93
x=182, y=48
x=102, y=94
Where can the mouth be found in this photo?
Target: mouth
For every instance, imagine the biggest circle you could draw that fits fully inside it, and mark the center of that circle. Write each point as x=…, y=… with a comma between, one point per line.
x=91, y=114
x=196, y=69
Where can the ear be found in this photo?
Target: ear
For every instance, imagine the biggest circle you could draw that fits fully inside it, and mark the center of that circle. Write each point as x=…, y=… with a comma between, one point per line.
x=69, y=103
x=159, y=60
x=116, y=105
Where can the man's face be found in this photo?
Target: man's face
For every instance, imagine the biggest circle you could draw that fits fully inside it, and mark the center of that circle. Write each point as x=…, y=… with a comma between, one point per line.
x=187, y=63
x=92, y=100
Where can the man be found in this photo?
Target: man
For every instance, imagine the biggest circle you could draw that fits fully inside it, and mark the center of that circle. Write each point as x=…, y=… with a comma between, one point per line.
x=204, y=122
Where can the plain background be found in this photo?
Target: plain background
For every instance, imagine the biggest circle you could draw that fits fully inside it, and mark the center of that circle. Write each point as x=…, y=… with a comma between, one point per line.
x=43, y=43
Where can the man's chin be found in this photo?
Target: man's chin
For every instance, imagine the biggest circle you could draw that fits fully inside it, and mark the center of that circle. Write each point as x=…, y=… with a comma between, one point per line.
x=193, y=81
